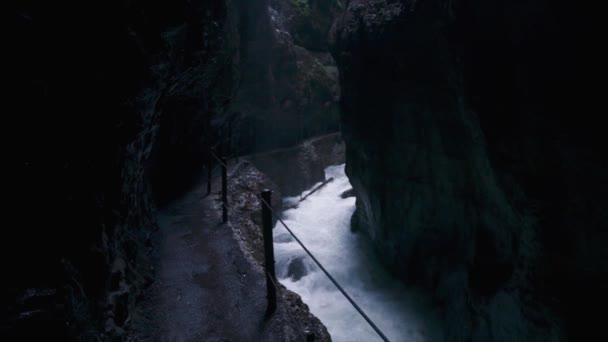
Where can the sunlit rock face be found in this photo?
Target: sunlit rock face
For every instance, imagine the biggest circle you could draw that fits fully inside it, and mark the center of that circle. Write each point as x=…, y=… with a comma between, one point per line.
x=464, y=162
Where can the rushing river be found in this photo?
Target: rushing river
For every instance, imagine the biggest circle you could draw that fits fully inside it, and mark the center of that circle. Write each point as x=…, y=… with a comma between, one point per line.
x=322, y=223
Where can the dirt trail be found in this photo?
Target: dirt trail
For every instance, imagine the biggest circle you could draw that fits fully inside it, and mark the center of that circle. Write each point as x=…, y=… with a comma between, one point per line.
x=205, y=289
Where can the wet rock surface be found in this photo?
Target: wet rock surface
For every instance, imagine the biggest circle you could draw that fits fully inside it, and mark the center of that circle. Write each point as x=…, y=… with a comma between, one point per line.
x=298, y=168
x=297, y=269
x=309, y=21
x=245, y=206
x=288, y=93
x=465, y=164
x=348, y=193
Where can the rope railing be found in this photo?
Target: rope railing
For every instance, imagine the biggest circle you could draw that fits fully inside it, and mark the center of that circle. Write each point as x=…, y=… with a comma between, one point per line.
x=269, y=250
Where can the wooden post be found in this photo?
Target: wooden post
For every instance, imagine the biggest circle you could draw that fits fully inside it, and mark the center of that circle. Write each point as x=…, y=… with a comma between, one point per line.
x=268, y=252
x=209, y=169
x=224, y=191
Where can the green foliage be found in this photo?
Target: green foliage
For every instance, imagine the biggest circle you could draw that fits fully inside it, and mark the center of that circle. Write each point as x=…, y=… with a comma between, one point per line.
x=302, y=7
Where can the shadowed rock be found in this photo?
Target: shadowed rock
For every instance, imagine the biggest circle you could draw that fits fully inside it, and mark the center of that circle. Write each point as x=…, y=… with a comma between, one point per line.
x=348, y=193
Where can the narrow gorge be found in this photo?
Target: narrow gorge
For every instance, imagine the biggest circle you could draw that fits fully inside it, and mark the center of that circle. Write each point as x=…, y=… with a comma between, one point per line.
x=463, y=139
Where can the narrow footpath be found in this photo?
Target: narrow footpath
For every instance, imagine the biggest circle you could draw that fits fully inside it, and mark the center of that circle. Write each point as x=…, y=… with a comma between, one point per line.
x=205, y=288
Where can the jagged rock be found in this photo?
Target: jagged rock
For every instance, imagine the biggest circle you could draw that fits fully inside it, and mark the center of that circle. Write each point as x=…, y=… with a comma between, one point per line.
x=245, y=220
x=287, y=93
x=297, y=268
x=348, y=193
x=298, y=168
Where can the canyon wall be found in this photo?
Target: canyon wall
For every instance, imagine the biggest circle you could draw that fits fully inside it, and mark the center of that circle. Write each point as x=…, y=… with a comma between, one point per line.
x=288, y=89
x=476, y=158
x=299, y=168
x=113, y=108
x=112, y=104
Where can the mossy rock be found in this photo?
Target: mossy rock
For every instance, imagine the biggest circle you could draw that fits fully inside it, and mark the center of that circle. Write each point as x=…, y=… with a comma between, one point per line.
x=312, y=20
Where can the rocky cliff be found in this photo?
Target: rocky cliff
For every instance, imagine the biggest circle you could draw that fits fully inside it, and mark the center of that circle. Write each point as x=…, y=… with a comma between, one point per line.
x=299, y=168
x=288, y=90
x=112, y=109
x=477, y=160
x=114, y=105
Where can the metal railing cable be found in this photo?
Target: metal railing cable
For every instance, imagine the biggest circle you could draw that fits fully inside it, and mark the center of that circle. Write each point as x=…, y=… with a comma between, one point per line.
x=219, y=160
x=219, y=166
x=317, y=262
x=221, y=163
x=276, y=286
x=346, y=295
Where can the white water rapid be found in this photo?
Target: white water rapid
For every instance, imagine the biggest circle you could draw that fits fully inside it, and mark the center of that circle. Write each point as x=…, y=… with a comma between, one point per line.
x=322, y=223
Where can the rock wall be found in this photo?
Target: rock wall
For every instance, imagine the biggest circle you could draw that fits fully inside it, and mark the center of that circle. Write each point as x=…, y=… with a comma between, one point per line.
x=309, y=21
x=296, y=320
x=299, y=168
x=467, y=139
x=287, y=92
x=112, y=109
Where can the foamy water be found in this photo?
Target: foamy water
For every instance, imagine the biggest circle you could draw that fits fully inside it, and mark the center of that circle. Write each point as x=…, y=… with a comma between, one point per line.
x=322, y=223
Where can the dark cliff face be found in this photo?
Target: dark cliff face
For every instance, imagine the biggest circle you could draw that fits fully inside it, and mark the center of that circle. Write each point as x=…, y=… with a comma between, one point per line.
x=476, y=156
x=309, y=21
x=287, y=91
x=112, y=103
x=113, y=108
